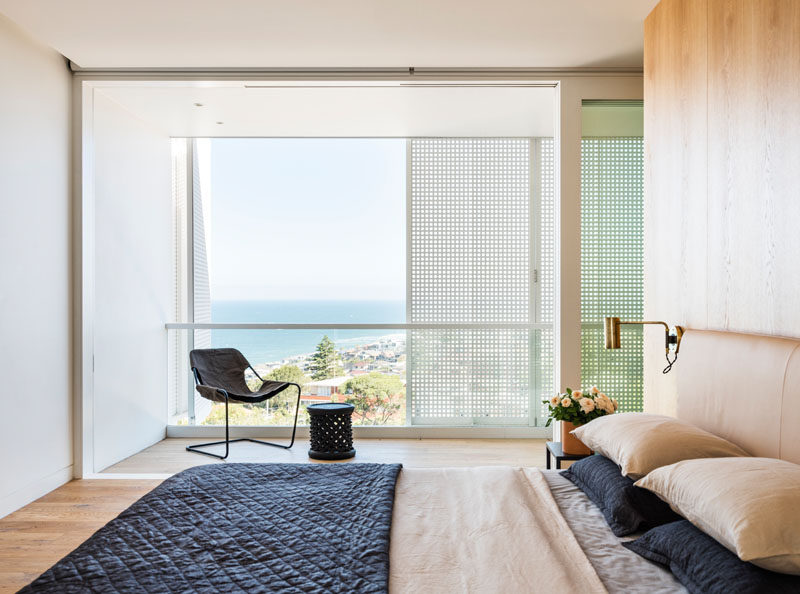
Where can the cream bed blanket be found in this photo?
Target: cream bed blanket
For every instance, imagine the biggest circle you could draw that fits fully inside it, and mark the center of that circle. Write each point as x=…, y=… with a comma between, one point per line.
x=490, y=529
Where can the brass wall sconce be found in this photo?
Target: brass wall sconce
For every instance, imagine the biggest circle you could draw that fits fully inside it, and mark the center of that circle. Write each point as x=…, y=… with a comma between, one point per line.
x=611, y=332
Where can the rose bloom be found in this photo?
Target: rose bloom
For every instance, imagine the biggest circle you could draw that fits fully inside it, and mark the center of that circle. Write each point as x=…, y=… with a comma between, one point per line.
x=603, y=402
x=615, y=403
x=577, y=395
x=566, y=402
x=587, y=405
x=555, y=400
x=595, y=390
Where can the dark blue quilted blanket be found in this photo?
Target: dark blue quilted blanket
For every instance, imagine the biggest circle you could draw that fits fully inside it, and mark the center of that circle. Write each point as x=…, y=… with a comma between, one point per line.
x=243, y=528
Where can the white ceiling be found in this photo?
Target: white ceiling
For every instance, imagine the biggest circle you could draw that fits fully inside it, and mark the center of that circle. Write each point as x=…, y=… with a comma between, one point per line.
x=378, y=110
x=338, y=33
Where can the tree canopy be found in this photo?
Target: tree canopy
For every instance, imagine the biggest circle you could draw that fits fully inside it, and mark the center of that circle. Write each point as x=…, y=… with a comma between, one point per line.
x=288, y=398
x=288, y=373
x=377, y=397
x=325, y=362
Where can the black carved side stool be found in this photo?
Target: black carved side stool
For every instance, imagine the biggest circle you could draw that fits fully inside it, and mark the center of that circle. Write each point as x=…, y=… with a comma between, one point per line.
x=331, y=431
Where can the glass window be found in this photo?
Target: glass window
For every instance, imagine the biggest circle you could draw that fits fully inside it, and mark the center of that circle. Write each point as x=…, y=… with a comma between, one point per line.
x=450, y=239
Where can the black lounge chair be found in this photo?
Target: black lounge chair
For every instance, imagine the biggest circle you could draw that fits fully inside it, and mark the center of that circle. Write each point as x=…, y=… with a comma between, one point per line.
x=219, y=377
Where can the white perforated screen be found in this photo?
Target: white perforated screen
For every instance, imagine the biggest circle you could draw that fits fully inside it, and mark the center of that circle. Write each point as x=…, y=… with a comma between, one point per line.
x=474, y=248
x=470, y=208
x=544, y=357
x=473, y=376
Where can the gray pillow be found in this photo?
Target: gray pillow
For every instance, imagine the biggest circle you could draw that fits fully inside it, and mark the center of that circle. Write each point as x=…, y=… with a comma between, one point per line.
x=625, y=507
x=701, y=564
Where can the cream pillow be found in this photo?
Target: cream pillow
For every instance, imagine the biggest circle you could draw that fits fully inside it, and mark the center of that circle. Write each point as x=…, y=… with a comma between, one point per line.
x=641, y=442
x=750, y=505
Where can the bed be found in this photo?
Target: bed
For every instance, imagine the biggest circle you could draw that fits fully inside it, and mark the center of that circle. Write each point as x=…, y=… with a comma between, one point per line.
x=502, y=529
x=491, y=529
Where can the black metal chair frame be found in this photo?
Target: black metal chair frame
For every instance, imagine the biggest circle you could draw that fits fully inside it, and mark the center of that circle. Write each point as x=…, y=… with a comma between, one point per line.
x=227, y=441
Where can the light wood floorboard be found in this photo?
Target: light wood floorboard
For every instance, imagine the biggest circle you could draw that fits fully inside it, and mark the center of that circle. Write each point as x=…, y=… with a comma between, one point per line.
x=170, y=455
x=36, y=536
x=39, y=534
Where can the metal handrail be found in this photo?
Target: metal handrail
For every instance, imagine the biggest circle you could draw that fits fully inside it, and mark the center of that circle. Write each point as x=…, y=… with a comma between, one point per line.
x=416, y=326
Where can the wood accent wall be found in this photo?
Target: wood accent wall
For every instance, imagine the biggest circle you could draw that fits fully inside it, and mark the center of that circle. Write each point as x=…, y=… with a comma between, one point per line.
x=722, y=172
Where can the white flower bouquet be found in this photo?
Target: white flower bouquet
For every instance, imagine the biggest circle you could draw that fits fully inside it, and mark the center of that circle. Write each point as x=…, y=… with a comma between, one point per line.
x=579, y=407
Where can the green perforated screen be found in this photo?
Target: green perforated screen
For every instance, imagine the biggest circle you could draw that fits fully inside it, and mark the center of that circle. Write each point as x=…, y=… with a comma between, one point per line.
x=612, y=264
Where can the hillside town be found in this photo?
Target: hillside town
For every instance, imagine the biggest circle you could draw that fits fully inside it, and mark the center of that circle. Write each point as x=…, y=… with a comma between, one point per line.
x=372, y=376
x=386, y=354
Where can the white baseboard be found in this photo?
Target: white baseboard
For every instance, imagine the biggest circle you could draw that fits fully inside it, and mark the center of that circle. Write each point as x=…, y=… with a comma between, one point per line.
x=31, y=492
x=124, y=476
x=364, y=432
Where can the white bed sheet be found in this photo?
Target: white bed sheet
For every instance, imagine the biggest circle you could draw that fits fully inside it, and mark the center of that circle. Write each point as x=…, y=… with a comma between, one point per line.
x=508, y=530
x=495, y=529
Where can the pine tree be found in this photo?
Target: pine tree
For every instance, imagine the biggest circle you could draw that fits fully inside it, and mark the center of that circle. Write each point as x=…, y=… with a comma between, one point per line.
x=324, y=362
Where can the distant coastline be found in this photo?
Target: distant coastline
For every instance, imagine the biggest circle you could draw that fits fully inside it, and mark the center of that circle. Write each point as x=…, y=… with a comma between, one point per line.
x=385, y=354
x=271, y=347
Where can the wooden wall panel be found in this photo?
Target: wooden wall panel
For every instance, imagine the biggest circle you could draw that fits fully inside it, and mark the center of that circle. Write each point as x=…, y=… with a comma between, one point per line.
x=722, y=169
x=675, y=179
x=780, y=34
x=754, y=172
x=752, y=86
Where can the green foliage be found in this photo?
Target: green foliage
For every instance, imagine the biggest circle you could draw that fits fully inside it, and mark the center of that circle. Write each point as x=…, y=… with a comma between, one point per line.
x=284, y=416
x=238, y=414
x=288, y=398
x=377, y=398
x=278, y=410
x=325, y=362
x=255, y=415
x=288, y=373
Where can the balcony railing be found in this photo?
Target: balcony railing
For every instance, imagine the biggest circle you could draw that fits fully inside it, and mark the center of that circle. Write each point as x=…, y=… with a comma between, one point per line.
x=456, y=375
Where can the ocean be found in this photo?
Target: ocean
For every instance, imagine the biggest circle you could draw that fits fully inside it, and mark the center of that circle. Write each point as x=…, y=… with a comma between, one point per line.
x=266, y=346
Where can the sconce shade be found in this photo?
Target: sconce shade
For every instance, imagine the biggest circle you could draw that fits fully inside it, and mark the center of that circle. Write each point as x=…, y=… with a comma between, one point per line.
x=611, y=332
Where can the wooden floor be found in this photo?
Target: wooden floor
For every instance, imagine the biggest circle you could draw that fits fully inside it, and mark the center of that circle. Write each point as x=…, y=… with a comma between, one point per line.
x=170, y=456
x=39, y=534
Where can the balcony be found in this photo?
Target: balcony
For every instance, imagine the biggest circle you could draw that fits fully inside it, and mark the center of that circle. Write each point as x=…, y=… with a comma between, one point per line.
x=396, y=375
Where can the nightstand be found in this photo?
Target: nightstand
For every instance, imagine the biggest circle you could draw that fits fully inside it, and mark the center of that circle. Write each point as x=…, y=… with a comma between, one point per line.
x=554, y=449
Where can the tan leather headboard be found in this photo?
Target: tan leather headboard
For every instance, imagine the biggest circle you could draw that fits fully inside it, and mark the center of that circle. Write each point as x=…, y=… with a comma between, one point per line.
x=743, y=387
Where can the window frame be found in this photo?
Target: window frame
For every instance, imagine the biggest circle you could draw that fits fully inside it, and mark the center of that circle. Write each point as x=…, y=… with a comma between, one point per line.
x=535, y=419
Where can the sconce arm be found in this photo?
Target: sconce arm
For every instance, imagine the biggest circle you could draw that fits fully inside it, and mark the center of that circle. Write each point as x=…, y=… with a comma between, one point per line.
x=662, y=323
x=670, y=338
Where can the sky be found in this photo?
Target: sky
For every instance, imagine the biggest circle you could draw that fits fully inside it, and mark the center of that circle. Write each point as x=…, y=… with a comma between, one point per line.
x=311, y=219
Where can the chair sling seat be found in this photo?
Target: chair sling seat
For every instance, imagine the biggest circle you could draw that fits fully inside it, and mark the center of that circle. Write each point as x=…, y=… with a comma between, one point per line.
x=222, y=370
x=219, y=376
x=267, y=390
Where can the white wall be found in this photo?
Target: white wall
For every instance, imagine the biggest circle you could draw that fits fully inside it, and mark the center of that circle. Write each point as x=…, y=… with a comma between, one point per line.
x=35, y=417
x=134, y=284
